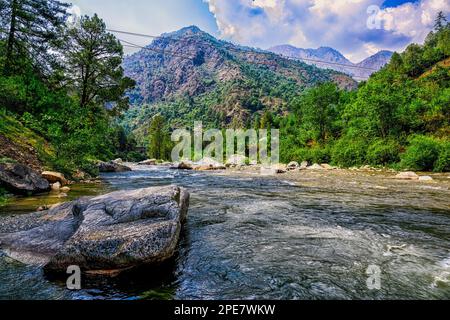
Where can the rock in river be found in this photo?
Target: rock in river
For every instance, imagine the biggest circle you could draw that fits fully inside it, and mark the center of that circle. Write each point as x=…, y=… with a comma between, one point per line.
x=20, y=179
x=54, y=177
x=113, y=232
x=112, y=167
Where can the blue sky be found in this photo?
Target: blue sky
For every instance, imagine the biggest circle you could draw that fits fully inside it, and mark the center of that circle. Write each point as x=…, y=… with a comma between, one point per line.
x=341, y=24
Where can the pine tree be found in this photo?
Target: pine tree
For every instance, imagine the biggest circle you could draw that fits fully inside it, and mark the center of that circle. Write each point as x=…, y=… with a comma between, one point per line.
x=441, y=21
x=93, y=59
x=158, y=146
x=30, y=28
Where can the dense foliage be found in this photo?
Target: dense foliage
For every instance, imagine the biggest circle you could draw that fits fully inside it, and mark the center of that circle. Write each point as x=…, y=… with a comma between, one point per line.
x=399, y=117
x=72, y=98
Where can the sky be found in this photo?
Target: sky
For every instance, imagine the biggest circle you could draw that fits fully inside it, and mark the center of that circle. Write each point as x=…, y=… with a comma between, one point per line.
x=357, y=28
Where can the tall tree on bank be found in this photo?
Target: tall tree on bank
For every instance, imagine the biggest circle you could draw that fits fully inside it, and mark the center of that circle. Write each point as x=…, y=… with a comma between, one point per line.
x=93, y=61
x=158, y=139
x=30, y=28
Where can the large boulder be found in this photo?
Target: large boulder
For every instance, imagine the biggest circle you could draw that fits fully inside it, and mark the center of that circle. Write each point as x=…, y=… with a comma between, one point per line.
x=54, y=177
x=20, y=179
x=109, y=233
x=112, y=166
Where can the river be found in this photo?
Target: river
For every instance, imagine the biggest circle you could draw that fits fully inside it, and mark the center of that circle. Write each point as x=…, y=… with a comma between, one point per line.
x=255, y=237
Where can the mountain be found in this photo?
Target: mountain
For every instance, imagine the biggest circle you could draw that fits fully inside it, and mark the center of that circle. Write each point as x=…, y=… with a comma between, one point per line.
x=189, y=75
x=360, y=71
x=377, y=61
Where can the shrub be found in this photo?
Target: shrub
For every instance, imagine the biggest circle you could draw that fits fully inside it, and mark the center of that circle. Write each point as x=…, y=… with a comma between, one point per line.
x=443, y=162
x=383, y=152
x=314, y=155
x=422, y=154
x=7, y=161
x=349, y=152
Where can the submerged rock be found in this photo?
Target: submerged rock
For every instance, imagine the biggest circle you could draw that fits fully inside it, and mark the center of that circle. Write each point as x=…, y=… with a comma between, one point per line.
x=20, y=179
x=113, y=232
x=112, y=167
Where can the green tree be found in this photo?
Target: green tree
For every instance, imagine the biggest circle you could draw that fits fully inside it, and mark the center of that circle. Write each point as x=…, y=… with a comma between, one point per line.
x=441, y=21
x=93, y=58
x=158, y=139
x=31, y=28
x=319, y=110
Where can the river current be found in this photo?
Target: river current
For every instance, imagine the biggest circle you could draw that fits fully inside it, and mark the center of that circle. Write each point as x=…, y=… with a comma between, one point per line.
x=255, y=237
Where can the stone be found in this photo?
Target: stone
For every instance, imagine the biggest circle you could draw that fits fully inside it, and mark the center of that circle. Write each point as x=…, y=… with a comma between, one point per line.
x=326, y=166
x=304, y=165
x=407, y=176
x=149, y=162
x=20, y=179
x=54, y=177
x=112, y=167
x=293, y=166
x=184, y=165
x=208, y=164
x=426, y=179
x=113, y=232
x=56, y=186
x=119, y=160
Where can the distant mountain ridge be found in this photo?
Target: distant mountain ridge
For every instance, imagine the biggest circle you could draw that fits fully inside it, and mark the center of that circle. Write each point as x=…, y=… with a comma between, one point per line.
x=190, y=75
x=361, y=70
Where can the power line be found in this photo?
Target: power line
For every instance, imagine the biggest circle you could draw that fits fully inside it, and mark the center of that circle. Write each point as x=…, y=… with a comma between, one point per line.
x=240, y=50
x=175, y=54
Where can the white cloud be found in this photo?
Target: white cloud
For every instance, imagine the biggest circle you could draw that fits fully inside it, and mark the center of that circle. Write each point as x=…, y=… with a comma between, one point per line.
x=341, y=24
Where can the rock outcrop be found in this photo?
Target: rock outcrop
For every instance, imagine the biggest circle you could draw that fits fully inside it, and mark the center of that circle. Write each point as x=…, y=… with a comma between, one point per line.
x=20, y=179
x=113, y=232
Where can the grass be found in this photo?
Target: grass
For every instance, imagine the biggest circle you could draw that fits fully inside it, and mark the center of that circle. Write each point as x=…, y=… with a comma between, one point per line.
x=15, y=131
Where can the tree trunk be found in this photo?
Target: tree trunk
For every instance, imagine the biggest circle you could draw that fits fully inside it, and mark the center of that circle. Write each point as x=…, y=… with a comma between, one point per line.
x=11, y=39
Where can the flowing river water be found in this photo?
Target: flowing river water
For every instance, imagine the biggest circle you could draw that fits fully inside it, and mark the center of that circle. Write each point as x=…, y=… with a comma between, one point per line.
x=254, y=237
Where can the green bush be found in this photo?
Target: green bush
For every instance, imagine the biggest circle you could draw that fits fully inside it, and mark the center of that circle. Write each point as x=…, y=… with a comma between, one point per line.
x=443, y=162
x=383, y=152
x=349, y=152
x=7, y=161
x=422, y=154
x=134, y=156
x=313, y=155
